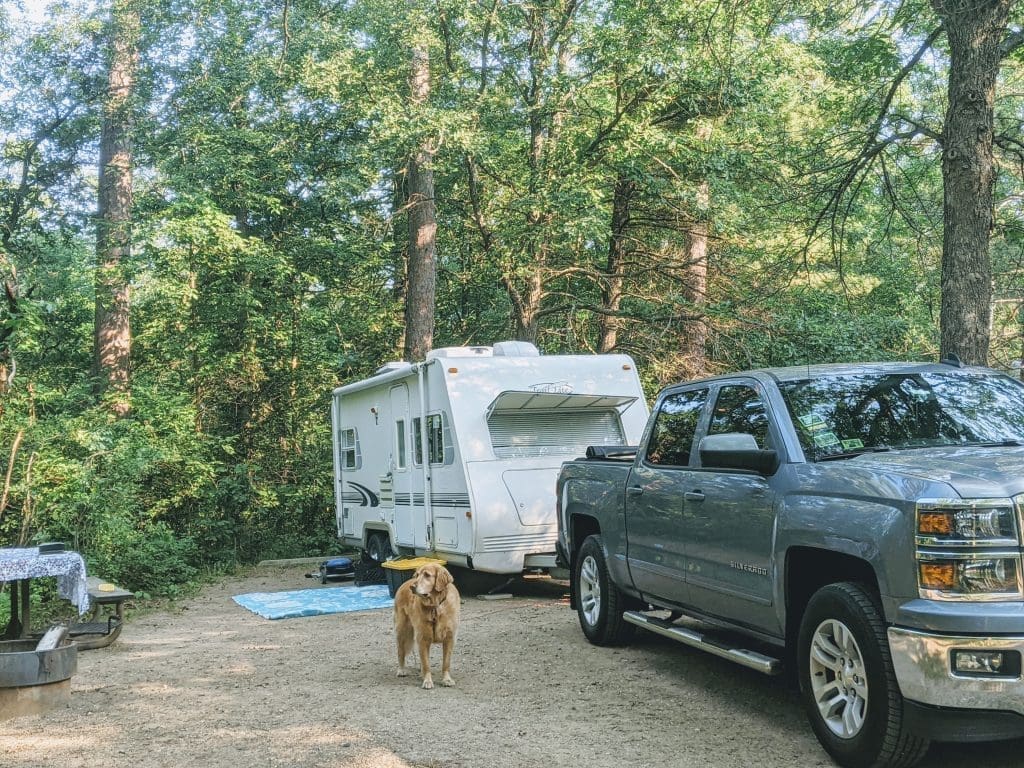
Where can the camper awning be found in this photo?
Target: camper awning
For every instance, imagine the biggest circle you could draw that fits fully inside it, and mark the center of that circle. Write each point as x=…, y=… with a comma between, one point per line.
x=550, y=401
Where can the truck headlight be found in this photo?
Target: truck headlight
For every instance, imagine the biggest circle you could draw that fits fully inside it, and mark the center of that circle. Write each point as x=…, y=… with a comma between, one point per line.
x=967, y=523
x=991, y=576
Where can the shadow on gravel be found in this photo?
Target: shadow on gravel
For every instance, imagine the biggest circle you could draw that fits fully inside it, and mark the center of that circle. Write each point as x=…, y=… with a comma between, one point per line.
x=492, y=586
x=775, y=702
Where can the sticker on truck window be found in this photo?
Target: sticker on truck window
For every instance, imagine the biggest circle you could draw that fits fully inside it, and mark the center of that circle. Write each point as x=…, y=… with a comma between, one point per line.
x=826, y=439
x=852, y=445
x=813, y=423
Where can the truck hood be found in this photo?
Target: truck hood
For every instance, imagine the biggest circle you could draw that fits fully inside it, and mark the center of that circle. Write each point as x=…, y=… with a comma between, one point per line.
x=973, y=472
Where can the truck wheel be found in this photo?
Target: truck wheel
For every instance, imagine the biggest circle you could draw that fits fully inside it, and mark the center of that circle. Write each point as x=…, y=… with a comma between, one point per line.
x=848, y=684
x=378, y=547
x=599, y=603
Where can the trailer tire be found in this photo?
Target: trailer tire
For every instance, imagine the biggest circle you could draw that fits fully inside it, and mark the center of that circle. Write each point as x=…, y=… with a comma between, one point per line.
x=848, y=684
x=378, y=547
x=599, y=602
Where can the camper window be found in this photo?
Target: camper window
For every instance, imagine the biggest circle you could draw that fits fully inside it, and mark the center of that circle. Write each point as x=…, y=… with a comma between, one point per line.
x=400, y=444
x=435, y=439
x=554, y=432
x=349, y=444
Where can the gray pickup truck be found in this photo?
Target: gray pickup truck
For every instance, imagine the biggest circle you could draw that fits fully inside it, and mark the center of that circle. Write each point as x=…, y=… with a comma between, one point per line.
x=859, y=525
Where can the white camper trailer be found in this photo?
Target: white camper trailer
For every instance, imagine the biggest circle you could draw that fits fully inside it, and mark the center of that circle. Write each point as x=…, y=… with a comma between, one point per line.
x=457, y=456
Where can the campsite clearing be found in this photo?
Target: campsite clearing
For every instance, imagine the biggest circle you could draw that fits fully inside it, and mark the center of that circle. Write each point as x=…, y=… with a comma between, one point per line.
x=213, y=685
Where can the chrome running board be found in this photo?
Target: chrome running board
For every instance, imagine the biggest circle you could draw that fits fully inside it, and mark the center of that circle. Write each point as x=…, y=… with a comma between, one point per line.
x=751, y=659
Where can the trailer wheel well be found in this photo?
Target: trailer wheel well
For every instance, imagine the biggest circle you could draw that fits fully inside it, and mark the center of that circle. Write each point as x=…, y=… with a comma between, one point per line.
x=377, y=543
x=371, y=530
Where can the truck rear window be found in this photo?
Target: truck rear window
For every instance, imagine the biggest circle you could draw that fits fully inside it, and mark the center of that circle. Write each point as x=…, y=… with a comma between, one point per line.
x=844, y=415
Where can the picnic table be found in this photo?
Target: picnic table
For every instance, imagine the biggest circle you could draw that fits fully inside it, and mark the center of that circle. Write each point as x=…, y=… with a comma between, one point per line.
x=101, y=630
x=18, y=566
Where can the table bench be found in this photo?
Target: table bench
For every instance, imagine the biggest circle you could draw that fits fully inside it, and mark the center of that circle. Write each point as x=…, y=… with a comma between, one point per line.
x=106, y=617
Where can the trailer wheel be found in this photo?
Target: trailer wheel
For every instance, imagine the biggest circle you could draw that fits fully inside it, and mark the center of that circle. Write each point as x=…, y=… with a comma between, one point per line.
x=848, y=684
x=599, y=603
x=378, y=547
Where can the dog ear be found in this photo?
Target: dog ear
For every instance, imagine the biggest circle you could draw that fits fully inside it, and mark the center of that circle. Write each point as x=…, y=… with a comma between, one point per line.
x=442, y=579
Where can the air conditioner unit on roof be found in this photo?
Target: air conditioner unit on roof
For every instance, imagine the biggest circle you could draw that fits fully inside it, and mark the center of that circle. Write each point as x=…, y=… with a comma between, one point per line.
x=515, y=349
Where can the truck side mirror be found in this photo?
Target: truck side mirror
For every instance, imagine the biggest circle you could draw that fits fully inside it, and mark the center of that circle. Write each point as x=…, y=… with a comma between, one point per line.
x=737, y=450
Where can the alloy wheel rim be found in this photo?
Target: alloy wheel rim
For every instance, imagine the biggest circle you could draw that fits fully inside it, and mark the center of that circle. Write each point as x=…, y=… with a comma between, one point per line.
x=838, y=679
x=590, y=590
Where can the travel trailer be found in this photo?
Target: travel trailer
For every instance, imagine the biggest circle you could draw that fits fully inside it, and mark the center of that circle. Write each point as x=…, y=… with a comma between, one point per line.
x=457, y=456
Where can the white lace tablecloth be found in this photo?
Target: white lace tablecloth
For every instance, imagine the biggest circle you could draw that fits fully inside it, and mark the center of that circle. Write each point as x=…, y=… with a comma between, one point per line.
x=68, y=567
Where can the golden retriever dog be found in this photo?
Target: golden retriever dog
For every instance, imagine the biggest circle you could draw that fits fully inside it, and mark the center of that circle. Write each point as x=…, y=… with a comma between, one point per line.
x=427, y=612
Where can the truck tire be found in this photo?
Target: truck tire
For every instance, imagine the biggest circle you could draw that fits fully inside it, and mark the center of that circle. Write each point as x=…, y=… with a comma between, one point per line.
x=599, y=603
x=847, y=681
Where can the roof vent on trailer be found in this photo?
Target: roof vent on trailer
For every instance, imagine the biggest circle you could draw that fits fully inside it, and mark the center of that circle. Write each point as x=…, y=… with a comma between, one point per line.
x=515, y=349
x=459, y=352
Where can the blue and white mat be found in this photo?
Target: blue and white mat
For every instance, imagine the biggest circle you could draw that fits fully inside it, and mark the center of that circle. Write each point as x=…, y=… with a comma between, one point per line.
x=315, y=602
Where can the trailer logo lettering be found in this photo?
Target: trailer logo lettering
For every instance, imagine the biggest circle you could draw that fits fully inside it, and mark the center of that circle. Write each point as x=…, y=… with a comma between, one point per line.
x=368, y=497
x=552, y=388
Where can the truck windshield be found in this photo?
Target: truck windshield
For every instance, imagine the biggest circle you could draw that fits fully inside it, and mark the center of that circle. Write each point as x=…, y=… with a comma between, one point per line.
x=846, y=415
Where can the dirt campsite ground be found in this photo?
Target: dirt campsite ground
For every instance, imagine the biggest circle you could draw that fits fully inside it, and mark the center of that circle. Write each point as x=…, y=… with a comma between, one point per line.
x=210, y=685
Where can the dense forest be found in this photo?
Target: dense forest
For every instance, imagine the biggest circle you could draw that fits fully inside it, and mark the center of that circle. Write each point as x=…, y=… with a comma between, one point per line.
x=212, y=212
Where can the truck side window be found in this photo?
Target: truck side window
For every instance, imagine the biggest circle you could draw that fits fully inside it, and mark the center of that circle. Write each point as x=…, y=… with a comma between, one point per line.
x=740, y=409
x=674, y=429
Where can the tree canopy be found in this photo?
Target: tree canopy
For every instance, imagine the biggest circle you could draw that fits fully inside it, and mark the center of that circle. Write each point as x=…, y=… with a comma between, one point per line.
x=703, y=185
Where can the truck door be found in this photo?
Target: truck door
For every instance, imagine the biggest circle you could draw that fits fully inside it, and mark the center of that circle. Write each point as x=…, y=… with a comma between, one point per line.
x=654, y=497
x=729, y=517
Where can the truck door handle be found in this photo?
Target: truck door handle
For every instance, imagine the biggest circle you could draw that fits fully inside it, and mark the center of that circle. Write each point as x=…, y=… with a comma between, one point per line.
x=694, y=496
x=634, y=490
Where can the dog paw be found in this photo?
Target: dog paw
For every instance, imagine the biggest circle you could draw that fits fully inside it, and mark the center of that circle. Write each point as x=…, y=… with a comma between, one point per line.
x=428, y=684
x=402, y=672
x=447, y=681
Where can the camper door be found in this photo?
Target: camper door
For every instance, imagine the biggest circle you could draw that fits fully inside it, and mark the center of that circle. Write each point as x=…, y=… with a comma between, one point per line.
x=401, y=465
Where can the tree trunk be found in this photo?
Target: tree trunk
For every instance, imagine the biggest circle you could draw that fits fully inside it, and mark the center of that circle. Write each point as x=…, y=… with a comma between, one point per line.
x=694, y=336
x=114, y=215
x=399, y=250
x=9, y=314
x=527, y=325
x=527, y=302
x=611, y=291
x=421, y=277
x=974, y=29
x=547, y=27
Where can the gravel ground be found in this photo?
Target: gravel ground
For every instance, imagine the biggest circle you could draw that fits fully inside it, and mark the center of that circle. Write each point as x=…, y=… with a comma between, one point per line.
x=213, y=686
